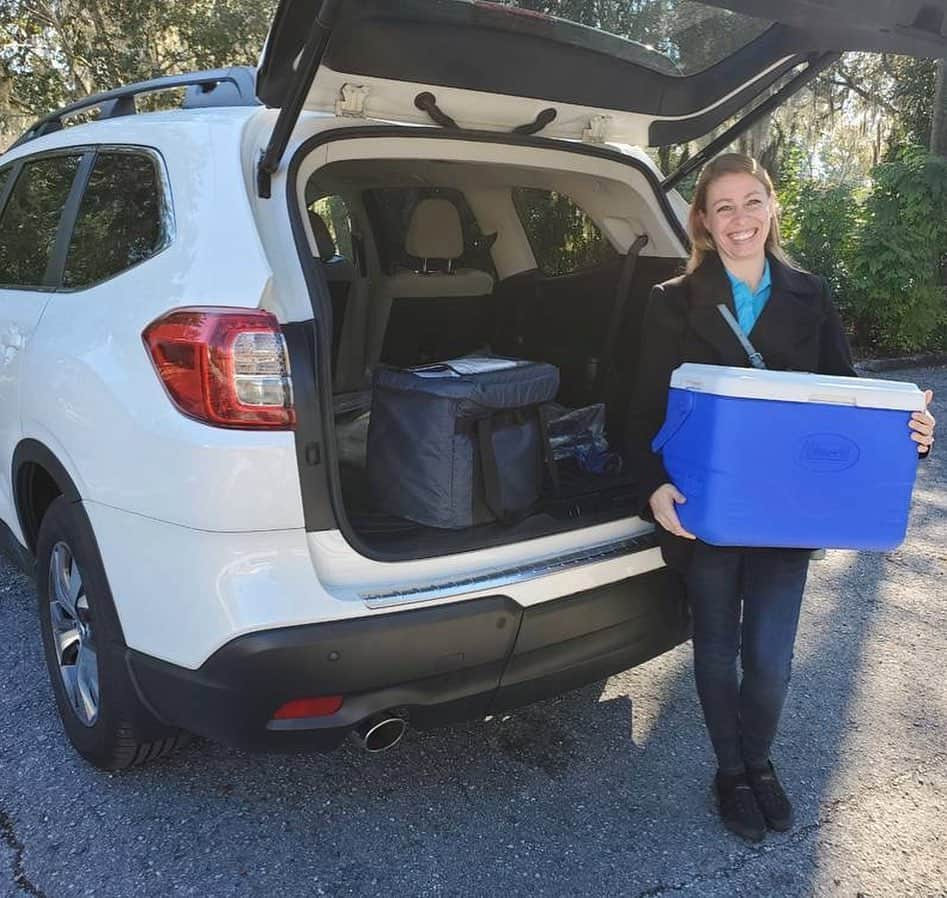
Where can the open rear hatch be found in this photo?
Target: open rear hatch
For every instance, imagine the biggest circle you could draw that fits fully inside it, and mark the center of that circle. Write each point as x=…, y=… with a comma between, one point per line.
x=661, y=73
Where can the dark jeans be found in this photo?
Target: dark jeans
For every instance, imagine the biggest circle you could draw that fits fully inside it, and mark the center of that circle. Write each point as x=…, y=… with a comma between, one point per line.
x=742, y=715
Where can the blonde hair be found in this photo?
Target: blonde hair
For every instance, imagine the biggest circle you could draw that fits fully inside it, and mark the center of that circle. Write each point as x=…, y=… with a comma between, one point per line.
x=702, y=244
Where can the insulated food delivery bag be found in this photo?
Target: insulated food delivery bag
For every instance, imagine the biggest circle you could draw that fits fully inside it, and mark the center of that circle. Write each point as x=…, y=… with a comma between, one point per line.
x=777, y=458
x=459, y=443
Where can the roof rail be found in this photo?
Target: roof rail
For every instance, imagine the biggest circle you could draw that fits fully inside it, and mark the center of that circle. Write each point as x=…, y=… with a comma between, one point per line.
x=235, y=86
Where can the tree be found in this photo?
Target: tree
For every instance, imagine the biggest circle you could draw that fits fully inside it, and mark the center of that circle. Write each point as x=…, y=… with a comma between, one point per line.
x=939, y=115
x=899, y=253
x=56, y=51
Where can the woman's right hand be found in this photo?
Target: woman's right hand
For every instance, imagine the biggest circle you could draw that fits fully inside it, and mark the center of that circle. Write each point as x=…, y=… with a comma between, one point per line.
x=663, y=504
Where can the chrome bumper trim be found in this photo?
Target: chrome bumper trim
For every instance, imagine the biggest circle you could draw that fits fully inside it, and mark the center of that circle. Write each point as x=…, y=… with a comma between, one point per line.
x=509, y=576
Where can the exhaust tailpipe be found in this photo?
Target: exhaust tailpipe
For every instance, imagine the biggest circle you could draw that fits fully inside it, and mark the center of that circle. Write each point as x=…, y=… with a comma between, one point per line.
x=380, y=732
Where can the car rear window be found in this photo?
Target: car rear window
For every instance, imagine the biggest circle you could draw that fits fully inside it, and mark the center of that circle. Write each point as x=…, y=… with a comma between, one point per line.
x=335, y=213
x=563, y=238
x=31, y=219
x=119, y=222
x=682, y=36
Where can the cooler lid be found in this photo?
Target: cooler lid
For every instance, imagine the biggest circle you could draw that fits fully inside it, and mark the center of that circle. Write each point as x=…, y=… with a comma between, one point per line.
x=798, y=386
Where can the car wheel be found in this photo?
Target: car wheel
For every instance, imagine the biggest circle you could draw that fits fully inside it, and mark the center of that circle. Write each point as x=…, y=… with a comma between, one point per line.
x=101, y=711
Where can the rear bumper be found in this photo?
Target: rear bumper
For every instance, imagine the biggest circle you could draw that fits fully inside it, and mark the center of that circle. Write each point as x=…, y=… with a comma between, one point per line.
x=434, y=665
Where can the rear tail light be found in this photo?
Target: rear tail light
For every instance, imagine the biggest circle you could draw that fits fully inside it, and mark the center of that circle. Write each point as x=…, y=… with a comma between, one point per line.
x=226, y=367
x=300, y=708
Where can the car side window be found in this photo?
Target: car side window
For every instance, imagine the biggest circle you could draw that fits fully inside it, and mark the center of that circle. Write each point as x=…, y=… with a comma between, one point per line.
x=120, y=219
x=563, y=238
x=31, y=219
x=333, y=211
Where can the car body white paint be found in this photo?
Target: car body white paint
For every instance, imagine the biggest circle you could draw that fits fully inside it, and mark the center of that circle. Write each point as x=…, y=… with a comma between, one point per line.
x=201, y=529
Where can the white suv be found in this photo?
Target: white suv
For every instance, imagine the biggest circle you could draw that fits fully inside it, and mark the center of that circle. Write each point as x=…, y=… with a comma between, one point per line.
x=193, y=301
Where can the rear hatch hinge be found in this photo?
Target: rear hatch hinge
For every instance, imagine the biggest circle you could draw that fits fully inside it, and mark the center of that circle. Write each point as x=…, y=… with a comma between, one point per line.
x=352, y=101
x=597, y=130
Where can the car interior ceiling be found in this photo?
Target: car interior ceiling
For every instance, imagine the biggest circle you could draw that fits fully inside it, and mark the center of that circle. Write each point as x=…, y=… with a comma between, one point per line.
x=433, y=293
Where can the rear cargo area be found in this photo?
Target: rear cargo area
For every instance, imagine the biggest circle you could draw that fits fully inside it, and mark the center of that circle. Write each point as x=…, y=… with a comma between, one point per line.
x=430, y=261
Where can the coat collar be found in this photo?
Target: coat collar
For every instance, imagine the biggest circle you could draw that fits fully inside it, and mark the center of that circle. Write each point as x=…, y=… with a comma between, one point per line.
x=789, y=316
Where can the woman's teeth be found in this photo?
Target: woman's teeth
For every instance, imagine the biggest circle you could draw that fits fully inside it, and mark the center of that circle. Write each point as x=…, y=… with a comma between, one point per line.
x=743, y=236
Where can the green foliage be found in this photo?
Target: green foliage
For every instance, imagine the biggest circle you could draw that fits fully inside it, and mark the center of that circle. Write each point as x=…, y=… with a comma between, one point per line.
x=819, y=223
x=913, y=99
x=882, y=248
x=57, y=51
x=788, y=184
x=825, y=223
x=899, y=253
x=562, y=236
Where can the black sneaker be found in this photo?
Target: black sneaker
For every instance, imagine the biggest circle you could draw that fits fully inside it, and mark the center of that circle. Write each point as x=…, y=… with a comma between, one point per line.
x=770, y=797
x=738, y=808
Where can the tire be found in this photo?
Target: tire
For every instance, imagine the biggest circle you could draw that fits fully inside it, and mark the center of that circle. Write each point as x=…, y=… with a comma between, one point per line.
x=103, y=716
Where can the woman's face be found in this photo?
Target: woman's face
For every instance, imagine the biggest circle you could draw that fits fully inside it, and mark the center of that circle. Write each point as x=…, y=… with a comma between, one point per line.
x=738, y=216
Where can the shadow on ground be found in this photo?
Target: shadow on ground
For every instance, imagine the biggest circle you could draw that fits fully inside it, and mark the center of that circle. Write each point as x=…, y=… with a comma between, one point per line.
x=604, y=791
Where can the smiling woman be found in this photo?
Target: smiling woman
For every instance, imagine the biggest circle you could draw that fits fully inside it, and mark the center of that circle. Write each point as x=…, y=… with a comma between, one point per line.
x=745, y=601
x=734, y=214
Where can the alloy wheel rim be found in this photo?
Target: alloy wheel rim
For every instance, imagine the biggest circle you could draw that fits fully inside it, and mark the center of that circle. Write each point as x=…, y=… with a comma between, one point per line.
x=73, y=634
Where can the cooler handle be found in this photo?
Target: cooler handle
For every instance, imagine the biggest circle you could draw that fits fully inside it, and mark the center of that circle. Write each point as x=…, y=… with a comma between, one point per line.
x=680, y=404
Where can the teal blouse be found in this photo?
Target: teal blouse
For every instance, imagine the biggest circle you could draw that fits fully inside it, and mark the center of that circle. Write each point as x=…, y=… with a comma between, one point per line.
x=748, y=303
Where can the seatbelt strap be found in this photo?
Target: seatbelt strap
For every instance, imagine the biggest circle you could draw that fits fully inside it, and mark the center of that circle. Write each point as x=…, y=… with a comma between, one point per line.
x=756, y=360
x=618, y=312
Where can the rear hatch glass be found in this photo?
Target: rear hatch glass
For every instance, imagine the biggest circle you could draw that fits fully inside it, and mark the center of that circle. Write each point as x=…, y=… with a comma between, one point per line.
x=646, y=72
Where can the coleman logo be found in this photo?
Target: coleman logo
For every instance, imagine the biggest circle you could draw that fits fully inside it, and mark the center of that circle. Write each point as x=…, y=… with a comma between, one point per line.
x=828, y=452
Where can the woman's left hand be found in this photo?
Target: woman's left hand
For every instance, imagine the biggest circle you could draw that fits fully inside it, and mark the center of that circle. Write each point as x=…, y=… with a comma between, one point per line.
x=922, y=426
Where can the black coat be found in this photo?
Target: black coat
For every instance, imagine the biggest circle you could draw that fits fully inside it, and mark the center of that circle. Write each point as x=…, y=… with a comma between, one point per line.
x=799, y=329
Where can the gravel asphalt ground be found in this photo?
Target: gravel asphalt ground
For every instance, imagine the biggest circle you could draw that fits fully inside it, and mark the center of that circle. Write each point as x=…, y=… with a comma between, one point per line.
x=604, y=791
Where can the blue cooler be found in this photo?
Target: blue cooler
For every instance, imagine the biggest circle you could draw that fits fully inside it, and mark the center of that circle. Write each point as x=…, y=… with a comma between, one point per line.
x=783, y=458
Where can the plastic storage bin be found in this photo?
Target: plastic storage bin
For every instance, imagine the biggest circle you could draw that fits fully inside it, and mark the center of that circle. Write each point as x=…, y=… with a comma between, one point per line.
x=773, y=458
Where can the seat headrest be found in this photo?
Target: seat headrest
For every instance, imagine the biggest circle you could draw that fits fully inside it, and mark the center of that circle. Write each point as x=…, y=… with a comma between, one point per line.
x=324, y=242
x=434, y=231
